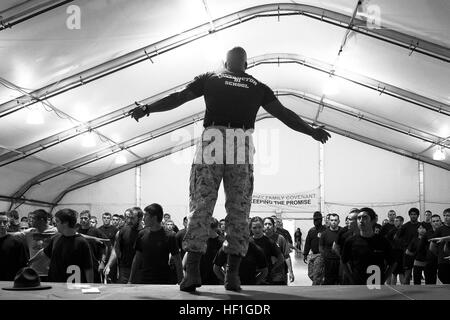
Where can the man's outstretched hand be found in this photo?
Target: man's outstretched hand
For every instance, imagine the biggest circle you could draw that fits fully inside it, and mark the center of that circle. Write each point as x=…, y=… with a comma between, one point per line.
x=139, y=112
x=320, y=134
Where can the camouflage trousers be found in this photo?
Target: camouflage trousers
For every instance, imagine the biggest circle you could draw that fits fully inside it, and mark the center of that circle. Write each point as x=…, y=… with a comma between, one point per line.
x=207, y=173
x=316, y=268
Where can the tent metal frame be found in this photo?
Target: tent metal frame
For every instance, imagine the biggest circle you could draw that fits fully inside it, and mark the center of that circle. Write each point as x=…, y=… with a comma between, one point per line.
x=27, y=10
x=411, y=43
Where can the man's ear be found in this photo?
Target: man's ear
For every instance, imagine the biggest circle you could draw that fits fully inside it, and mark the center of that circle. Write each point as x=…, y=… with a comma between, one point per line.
x=245, y=65
x=225, y=65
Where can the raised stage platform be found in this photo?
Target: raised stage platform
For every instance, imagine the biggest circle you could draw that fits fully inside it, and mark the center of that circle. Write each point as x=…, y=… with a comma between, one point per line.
x=61, y=291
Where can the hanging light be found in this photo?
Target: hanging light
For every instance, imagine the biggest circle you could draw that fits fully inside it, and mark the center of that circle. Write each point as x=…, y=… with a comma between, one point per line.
x=439, y=154
x=88, y=140
x=35, y=117
x=121, y=159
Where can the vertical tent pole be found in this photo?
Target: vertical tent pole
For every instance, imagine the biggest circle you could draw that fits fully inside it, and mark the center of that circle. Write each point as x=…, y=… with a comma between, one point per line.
x=138, y=186
x=421, y=191
x=321, y=178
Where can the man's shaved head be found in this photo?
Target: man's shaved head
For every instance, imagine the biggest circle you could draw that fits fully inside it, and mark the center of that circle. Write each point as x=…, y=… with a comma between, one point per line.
x=236, y=59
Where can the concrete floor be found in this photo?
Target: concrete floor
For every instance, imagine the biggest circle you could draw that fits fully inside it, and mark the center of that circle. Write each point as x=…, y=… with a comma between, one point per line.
x=300, y=271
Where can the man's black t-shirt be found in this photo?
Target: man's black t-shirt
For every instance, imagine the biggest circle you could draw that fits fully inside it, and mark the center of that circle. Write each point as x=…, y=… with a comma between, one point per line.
x=285, y=234
x=110, y=232
x=180, y=236
x=126, y=240
x=269, y=247
x=253, y=260
x=207, y=261
x=419, y=248
x=443, y=231
x=407, y=232
x=231, y=97
x=362, y=252
x=386, y=229
x=326, y=242
x=96, y=247
x=343, y=235
x=67, y=251
x=155, y=247
x=312, y=240
x=13, y=257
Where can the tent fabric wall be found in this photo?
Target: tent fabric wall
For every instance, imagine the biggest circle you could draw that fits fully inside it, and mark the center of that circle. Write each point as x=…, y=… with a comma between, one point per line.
x=114, y=195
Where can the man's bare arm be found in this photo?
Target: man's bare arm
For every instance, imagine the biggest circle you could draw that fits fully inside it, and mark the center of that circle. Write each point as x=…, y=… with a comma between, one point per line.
x=167, y=103
x=293, y=121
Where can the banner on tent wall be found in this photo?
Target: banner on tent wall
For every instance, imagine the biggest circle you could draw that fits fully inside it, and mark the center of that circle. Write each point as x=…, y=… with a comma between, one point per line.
x=300, y=201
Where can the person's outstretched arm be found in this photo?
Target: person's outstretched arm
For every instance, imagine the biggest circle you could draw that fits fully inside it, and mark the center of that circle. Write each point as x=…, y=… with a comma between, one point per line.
x=293, y=121
x=168, y=103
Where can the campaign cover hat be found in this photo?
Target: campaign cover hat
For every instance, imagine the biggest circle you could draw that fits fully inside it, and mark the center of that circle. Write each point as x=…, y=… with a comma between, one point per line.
x=27, y=279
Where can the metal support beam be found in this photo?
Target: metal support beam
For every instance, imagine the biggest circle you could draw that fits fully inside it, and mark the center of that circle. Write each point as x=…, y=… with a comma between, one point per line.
x=188, y=36
x=27, y=10
x=356, y=113
x=50, y=141
x=24, y=200
x=367, y=82
x=260, y=117
x=277, y=58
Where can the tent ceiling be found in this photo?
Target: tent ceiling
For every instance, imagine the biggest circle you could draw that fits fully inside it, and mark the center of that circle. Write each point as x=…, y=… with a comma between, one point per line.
x=393, y=81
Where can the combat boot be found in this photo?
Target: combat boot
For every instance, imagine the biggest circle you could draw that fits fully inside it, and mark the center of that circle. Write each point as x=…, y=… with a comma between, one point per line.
x=192, y=278
x=232, y=280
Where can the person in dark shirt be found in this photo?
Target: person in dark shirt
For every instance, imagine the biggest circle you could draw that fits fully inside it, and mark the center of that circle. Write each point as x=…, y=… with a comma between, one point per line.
x=213, y=246
x=342, y=236
x=427, y=220
x=407, y=232
x=417, y=248
x=180, y=236
x=153, y=247
x=270, y=249
x=107, y=228
x=440, y=244
x=298, y=242
x=431, y=266
x=66, y=250
x=253, y=269
x=331, y=259
x=390, y=225
x=315, y=262
x=123, y=251
x=397, y=251
x=279, y=276
x=99, y=250
x=365, y=250
x=13, y=251
x=110, y=232
x=280, y=230
x=232, y=99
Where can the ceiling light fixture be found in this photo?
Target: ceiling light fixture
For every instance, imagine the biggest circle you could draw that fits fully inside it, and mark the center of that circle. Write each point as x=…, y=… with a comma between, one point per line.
x=439, y=154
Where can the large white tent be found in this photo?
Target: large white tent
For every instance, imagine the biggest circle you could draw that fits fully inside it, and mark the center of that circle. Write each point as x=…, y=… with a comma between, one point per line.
x=376, y=74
